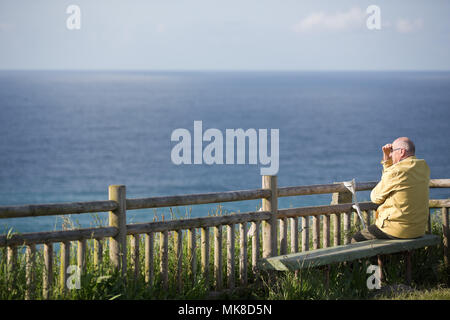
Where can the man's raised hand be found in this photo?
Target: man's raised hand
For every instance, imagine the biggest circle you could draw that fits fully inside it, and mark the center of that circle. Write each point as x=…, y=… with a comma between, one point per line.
x=387, y=151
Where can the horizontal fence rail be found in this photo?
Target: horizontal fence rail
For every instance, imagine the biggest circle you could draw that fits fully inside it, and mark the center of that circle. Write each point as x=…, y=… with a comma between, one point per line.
x=203, y=198
x=22, y=211
x=322, y=188
x=57, y=236
x=224, y=250
x=203, y=222
x=439, y=203
x=323, y=210
x=56, y=209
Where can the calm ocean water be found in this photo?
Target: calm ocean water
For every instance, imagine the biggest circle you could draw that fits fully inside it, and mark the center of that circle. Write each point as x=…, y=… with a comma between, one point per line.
x=66, y=136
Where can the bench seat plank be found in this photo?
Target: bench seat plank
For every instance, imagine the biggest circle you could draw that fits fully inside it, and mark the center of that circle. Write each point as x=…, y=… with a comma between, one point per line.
x=360, y=250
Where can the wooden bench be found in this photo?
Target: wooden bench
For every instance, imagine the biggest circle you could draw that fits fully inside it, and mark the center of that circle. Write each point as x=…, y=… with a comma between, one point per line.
x=349, y=252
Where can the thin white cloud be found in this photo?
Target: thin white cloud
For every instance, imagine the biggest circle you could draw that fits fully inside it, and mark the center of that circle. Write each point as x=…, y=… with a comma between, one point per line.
x=319, y=21
x=405, y=25
x=160, y=28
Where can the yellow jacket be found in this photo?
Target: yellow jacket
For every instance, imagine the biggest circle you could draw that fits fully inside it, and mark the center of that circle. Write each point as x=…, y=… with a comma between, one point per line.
x=403, y=195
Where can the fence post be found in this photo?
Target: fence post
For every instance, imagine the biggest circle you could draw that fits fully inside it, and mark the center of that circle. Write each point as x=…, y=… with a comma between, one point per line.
x=339, y=198
x=446, y=234
x=30, y=264
x=117, y=218
x=81, y=255
x=149, y=252
x=11, y=263
x=64, y=264
x=243, y=253
x=98, y=253
x=47, y=277
x=205, y=254
x=218, y=256
x=270, y=226
x=192, y=245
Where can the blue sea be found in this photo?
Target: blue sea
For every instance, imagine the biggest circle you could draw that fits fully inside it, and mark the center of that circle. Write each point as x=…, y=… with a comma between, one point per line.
x=66, y=135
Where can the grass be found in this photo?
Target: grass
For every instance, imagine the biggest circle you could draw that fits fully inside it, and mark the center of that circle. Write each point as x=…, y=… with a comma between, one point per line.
x=424, y=294
x=346, y=280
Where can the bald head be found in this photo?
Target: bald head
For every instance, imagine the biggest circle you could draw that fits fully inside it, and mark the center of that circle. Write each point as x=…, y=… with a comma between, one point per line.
x=402, y=148
x=405, y=143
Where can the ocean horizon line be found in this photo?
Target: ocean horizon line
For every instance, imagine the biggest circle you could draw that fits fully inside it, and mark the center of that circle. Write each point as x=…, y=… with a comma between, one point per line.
x=233, y=70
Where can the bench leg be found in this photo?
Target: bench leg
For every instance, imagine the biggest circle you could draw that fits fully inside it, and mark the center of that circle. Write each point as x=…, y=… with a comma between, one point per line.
x=408, y=255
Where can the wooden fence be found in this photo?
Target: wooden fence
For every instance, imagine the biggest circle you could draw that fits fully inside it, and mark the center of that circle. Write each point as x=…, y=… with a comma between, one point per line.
x=269, y=237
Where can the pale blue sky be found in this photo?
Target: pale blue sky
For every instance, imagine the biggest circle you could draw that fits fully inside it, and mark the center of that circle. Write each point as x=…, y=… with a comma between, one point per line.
x=225, y=35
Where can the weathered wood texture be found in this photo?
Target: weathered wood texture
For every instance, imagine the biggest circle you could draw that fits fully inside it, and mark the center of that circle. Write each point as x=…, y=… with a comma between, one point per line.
x=294, y=234
x=178, y=245
x=342, y=253
x=316, y=232
x=218, y=257
x=64, y=252
x=440, y=183
x=192, y=249
x=243, y=254
x=30, y=264
x=345, y=198
x=118, y=219
x=322, y=188
x=440, y=203
x=193, y=199
x=322, y=210
x=326, y=231
x=11, y=258
x=81, y=255
x=149, y=258
x=270, y=204
x=337, y=229
x=164, y=258
x=202, y=222
x=256, y=245
x=305, y=233
x=98, y=252
x=55, y=209
x=230, y=255
x=47, y=276
x=135, y=246
x=112, y=231
x=205, y=254
x=57, y=236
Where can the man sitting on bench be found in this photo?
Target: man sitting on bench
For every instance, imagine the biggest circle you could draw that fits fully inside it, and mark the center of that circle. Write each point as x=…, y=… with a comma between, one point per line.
x=402, y=195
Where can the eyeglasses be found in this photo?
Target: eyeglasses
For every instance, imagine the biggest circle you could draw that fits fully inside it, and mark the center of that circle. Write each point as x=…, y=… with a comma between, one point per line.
x=397, y=149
